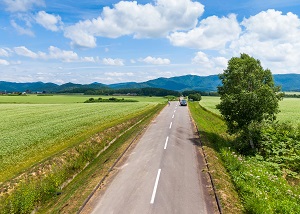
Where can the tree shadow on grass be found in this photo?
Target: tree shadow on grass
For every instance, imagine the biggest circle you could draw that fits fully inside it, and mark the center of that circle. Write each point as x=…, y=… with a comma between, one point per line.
x=215, y=141
x=212, y=140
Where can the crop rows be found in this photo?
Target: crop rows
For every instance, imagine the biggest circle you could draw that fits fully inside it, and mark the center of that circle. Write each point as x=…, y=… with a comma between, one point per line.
x=32, y=132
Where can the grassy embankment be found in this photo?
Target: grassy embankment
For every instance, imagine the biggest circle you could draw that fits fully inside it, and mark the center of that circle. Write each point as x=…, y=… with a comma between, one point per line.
x=51, y=143
x=262, y=186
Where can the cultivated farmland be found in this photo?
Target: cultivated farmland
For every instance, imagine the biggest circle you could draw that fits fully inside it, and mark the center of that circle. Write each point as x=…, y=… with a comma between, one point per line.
x=65, y=99
x=32, y=132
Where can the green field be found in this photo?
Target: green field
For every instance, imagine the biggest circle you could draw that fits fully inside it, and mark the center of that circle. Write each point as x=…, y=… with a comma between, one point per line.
x=64, y=99
x=289, y=108
x=33, y=132
x=210, y=103
x=292, y=92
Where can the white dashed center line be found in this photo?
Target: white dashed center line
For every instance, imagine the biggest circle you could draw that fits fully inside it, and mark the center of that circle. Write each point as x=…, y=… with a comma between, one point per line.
x=166, y=144
x=170, y=125
x=155, y=187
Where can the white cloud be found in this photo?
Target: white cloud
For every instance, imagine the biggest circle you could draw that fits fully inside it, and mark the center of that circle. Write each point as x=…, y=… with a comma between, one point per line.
x=119, y=74
x=23, y=51
x=114, y=62
x=21, y=30
x=4, y=52
x=212, y=33
x=65, y=56
x=220, y=62
x=80, y=37
x=273, y=38
x=49, y=21
x=4, y=62
x=22, y=5
x=156, y=61
x=54, y=53
x=141, y=21
x=89, y=59
x=200, y=58
x=272, y=25
x=212, y=64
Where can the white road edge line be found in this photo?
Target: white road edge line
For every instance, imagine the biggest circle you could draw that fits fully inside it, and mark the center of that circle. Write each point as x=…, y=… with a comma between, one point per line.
x=170, y=125
x=155, y=187
x=166, y=144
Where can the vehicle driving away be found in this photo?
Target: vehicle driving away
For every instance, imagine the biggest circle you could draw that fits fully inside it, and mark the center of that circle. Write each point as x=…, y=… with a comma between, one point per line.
x=183, y=103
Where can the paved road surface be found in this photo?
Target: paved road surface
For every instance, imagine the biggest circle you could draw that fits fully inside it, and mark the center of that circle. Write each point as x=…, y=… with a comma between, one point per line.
x=162, y=174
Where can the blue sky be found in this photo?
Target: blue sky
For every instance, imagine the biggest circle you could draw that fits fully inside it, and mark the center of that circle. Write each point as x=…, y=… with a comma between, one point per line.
x=122, y=41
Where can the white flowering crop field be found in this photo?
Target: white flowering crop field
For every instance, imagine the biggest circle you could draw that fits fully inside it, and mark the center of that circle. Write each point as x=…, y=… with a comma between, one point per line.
x=30, y=133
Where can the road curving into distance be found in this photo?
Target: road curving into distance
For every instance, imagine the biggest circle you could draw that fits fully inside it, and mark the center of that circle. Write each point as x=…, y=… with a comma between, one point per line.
x=162, y=174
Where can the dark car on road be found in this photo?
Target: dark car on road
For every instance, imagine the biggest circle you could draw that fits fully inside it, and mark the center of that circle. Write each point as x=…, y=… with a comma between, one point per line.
x=183, y=103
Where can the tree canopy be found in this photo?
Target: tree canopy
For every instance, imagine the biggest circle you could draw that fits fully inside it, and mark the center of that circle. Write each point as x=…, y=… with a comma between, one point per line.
x=195, y=97
x=248, y=94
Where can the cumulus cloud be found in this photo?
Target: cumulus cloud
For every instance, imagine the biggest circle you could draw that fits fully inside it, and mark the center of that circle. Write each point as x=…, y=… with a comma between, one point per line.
x=141, y=21
x=54, y=53
x=23, y=51
x=4, y=52
x=49, y=21
x=80, y=37
x=4, y=62
x=200, y=58
x=213, y=64
x=212, y=33
x=22, y=5
x=273, y=25
x=65, y=56
x=273, y=38
x=21, y=30
x=156, y=61
x=118, y=74
x=114, y=62
x=89, y=59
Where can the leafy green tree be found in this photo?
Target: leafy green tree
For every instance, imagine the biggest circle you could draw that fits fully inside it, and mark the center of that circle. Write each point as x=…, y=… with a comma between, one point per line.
x=248, y=96
x=195, y=97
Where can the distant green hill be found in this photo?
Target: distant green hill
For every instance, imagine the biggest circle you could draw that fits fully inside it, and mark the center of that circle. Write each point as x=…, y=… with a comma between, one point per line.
x=288, y=82
x=180, y=83
x=47, y=87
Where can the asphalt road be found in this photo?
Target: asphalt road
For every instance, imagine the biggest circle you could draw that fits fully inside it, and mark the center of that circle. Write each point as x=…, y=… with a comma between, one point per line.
x=162, y=173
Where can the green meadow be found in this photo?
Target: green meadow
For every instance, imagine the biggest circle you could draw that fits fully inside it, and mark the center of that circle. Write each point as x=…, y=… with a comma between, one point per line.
x=289, y=108
x=36, y=127
x=64, y=99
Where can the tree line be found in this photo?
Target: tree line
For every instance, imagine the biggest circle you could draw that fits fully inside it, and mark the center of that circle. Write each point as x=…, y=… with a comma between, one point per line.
x=134, y=91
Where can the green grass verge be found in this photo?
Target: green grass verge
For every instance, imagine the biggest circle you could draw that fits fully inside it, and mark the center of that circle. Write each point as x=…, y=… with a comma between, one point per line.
x=214, y=139
x=261, y=185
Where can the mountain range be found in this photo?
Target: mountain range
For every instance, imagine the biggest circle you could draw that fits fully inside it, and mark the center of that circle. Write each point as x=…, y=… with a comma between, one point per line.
x=288, y=82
